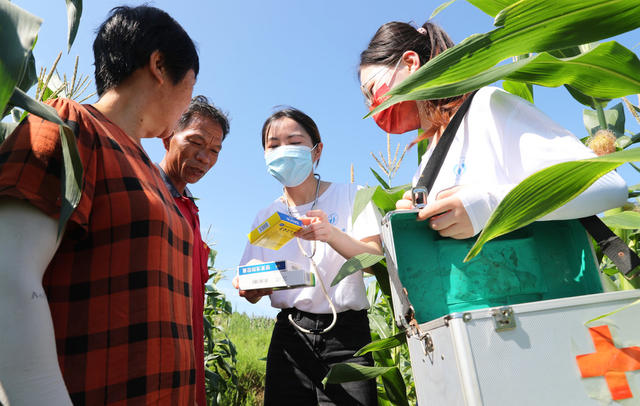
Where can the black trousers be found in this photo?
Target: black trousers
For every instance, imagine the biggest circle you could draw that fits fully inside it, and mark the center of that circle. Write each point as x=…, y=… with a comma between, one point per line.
x=298, y=362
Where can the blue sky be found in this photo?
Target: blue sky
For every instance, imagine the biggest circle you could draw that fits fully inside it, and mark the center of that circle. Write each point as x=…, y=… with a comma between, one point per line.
x=256, y=55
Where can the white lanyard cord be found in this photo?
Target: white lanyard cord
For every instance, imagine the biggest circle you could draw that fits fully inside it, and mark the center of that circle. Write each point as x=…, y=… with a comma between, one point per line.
x=314, y=267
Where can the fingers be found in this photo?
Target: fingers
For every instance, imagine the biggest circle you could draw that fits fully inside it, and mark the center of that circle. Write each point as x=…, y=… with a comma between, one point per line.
x=448, y=192
x=435, y=208
x=316, y=231
x=406, y=203
x=443, y=221
x=449, y=218
x=234, y=282
x=253, y=296
x=321, y=215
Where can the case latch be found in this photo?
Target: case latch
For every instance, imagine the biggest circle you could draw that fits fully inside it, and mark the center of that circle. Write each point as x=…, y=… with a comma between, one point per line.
x=503, y=318
x=419, y=197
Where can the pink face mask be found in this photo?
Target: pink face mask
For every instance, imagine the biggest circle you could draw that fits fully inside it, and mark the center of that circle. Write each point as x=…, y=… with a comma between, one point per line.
x=398, y=118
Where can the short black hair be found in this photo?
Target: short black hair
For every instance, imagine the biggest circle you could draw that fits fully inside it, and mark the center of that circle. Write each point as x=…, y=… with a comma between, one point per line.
x=201, y=107
x=127, y=38
x=299, y=117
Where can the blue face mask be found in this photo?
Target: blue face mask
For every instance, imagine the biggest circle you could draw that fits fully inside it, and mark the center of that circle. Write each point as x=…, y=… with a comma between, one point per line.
x=289, y=164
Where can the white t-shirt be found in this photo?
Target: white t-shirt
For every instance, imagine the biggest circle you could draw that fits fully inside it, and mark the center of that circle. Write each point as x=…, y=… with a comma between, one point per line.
x=349, y=294
x=502, y=140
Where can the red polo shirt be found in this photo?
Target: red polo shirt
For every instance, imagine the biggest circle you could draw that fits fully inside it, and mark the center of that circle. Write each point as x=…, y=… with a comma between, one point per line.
x=201, y=250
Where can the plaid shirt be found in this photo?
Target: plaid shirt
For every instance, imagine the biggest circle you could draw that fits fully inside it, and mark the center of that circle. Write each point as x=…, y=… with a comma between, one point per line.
x=119, y=285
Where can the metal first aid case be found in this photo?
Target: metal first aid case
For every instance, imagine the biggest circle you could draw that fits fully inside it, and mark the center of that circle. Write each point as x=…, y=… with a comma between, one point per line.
x=499, y=349
x=527, y=354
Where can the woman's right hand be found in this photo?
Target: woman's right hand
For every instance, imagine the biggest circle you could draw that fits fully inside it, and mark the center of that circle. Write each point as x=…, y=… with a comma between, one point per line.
x=406, y=203
x=252, y=296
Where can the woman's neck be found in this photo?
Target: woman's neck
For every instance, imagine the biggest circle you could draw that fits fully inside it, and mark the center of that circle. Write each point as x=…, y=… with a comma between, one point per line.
x=306, y=192
x=303, y=193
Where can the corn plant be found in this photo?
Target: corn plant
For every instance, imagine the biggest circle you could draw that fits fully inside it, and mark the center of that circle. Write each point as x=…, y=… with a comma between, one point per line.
x=220, y=353
x=388, y=165
x=392, y=368
x=18, y=74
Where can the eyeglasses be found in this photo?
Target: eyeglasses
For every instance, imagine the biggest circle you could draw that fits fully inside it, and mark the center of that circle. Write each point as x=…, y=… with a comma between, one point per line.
x=366, y=89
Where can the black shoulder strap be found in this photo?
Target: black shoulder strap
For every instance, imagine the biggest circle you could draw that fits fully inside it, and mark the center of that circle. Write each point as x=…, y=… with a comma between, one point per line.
x=624, y=258
x=427, y=178
x=431, y=170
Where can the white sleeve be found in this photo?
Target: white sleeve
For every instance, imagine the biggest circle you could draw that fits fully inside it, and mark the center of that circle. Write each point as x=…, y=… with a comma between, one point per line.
x=29, y=369
x=606, y=193
x=530, y=141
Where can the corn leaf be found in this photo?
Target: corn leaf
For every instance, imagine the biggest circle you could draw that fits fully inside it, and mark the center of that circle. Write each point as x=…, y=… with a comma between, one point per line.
x=71, y=175
x=363, y=197
x=614, y=116
x=29, y=76
x=349, y=372
x=521, y=89
x=492, y=7
x=355, y=264
x=440, y=8
x=6, y=129
x=18, y=31
x=385, y=199
x=380, y=180
x=395, y=387
x=74, y=12
x=381, y=273
x=586, y=100
x=526, y=26
x=545, y=191
x=379, y=324
x=628, y=220
x=422, y=148
x=384, y=344
x=637, y=302
x=607, y=71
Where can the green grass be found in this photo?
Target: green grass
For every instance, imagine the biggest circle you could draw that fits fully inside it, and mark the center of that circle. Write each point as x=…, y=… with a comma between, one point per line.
x=251, y=336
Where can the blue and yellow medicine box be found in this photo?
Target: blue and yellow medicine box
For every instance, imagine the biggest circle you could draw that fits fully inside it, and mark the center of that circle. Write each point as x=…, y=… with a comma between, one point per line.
x=273, y=275
x=275, y=231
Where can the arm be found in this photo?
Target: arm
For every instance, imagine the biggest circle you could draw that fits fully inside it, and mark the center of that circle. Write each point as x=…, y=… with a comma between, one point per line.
x=462, y=211
x=29, y=370
x=524, y=141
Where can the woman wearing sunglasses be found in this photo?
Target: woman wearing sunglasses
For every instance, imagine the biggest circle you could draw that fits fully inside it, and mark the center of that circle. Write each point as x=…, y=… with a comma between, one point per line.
x=322, y=325
x=500, y=141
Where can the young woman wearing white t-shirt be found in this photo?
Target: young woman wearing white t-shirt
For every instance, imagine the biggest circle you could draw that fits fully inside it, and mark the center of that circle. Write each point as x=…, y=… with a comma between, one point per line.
x=305, y=341
x=501, y=140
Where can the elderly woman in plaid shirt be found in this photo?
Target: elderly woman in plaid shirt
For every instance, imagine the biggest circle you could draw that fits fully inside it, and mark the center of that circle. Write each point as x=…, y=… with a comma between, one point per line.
x=101, y=315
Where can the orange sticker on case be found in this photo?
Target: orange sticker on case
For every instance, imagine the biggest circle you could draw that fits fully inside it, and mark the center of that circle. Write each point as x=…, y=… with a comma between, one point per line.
x=610, y=361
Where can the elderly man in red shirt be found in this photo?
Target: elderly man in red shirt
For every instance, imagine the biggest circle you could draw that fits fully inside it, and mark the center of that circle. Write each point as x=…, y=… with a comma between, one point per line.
x=192, y=150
